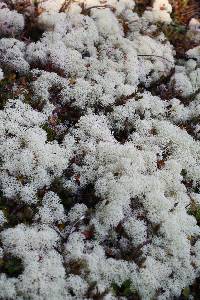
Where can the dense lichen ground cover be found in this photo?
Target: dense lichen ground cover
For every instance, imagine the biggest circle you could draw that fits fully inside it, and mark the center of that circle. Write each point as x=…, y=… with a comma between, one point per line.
x=99, y=131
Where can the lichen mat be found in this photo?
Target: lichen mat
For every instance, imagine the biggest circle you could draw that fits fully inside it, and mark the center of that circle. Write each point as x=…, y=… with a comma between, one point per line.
x=100, y=152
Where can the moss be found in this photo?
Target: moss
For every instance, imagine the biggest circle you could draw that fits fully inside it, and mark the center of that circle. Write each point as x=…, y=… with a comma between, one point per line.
x=22, y=87
x=186, y=293
x=27, y=98
x=126, y=289
x=11, y=266
x=194, y=210
x=51, y=135
x=183, y=172
x=5, y=90
x=195, y=289
x=16, y=212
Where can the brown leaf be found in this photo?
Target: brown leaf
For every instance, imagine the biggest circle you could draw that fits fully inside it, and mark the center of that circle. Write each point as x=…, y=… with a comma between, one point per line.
x=160, y=164
x=88, y=234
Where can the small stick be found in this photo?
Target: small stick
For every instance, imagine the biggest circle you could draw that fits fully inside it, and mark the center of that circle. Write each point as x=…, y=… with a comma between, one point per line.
x=64, y=239
x=65, y=5
x=151, y=55
x=98, y=6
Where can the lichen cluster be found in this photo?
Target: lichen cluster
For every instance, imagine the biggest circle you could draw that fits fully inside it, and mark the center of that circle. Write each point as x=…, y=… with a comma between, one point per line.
x=100, y=173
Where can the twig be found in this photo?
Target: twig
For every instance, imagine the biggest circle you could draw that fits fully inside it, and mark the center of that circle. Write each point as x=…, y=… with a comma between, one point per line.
x=56, y=248
x=73, y=226
x=152, y=55
x=64, y=239
x=65, y=5
x=58, y=232
x=98, y=6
